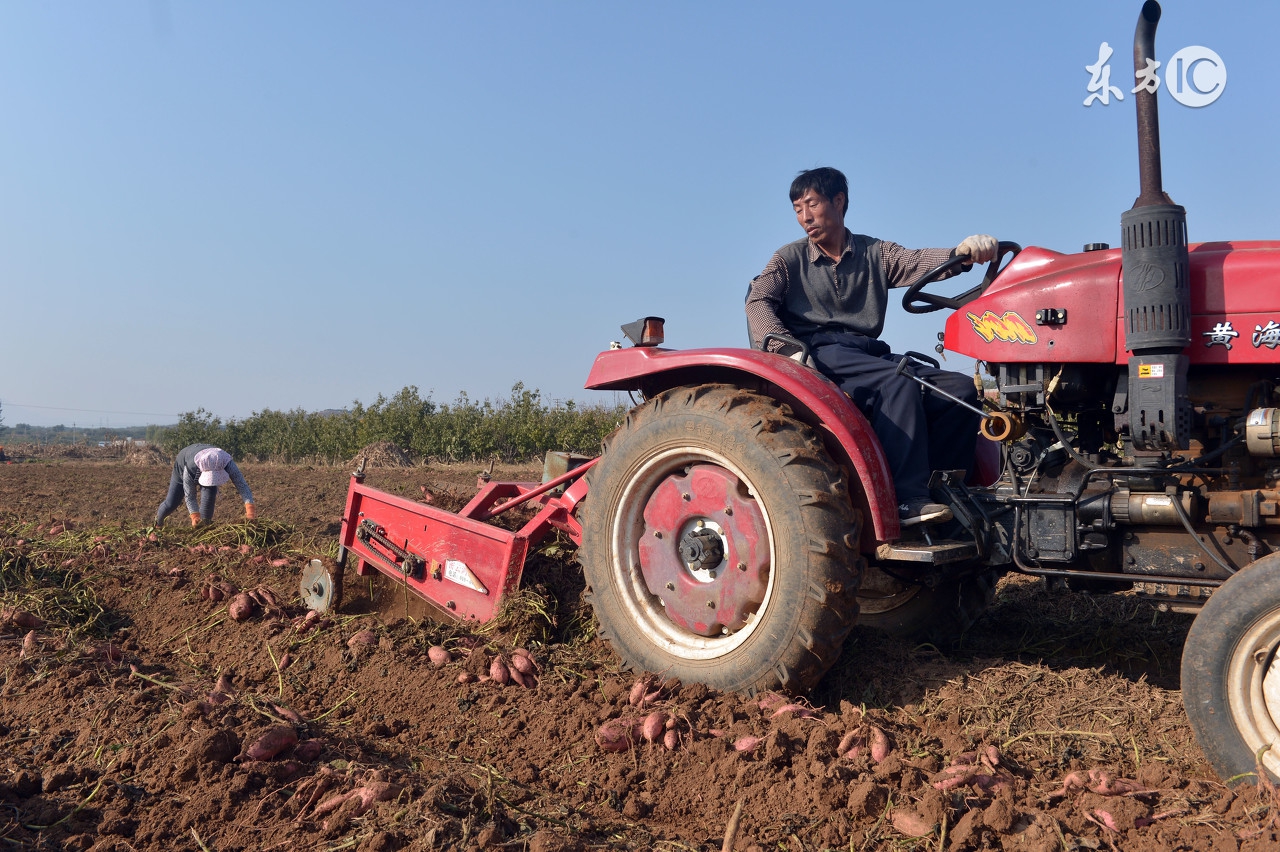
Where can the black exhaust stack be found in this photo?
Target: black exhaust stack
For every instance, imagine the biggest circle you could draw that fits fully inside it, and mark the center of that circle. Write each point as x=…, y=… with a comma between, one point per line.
x=1157, y=294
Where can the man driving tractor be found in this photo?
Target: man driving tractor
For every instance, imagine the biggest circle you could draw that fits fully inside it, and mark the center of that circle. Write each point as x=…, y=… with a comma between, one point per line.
x=830, y=291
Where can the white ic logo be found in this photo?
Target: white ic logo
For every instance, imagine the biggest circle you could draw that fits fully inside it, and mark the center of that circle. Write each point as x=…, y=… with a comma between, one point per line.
x=1195, y=76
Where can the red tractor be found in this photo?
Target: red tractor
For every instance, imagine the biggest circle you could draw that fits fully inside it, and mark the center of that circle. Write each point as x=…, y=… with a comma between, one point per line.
x=742, y=518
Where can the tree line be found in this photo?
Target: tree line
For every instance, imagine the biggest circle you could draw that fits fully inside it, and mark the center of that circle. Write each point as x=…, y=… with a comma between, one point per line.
x=521, y=428
x=25, y=433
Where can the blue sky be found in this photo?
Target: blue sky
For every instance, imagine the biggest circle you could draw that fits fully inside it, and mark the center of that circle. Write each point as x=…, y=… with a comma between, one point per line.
x=241, y=206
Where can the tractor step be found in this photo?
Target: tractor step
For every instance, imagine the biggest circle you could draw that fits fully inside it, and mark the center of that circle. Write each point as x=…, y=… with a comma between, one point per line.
x=938, y=553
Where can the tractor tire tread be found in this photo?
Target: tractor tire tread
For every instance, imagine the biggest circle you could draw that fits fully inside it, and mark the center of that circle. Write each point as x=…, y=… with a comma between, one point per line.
x=826, y=514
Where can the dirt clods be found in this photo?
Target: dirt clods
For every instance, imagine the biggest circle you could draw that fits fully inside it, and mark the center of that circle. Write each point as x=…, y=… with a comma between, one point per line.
x=137, y=714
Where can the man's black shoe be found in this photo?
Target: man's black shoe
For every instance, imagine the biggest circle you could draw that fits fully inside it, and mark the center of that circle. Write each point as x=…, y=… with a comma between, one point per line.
x=923, y=512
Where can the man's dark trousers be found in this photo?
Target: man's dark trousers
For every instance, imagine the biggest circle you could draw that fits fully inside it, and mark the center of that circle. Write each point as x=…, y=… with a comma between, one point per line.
x=919, y=431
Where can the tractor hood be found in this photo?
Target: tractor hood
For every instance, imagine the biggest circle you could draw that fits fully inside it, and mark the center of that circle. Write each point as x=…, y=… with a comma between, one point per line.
x=1051, y=307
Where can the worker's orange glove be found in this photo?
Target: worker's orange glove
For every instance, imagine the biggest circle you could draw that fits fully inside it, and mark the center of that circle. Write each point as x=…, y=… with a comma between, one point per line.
x=195, y=519
x=249, y=512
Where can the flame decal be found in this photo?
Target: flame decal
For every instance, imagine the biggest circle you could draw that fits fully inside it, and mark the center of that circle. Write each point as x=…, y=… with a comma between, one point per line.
x=1009, y=328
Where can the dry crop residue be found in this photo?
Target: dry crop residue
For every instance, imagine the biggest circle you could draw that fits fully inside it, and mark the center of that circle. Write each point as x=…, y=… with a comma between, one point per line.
x=382, y=454
x=138, y=715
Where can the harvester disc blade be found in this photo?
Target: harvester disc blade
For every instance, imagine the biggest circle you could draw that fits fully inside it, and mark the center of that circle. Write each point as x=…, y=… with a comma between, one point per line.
x=317, y=587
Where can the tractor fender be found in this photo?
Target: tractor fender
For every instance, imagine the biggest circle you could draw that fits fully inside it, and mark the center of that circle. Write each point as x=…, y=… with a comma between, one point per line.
x=812, y=397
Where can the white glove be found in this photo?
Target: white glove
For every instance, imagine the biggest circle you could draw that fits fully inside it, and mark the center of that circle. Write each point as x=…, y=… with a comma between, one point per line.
x=800, y=358
x=981, y=248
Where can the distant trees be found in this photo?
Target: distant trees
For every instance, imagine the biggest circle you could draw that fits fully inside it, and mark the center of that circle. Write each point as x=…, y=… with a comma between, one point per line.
x=25, y=433
x=520, y=428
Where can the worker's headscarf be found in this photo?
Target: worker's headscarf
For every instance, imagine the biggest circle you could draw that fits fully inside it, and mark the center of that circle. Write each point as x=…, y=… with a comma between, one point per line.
x=213, y=466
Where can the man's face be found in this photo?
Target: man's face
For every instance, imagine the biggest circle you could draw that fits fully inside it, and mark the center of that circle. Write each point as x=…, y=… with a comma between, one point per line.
x=821, y=217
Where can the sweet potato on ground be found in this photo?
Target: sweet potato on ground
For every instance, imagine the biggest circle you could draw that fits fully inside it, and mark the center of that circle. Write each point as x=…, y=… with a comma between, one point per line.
x=273, y=741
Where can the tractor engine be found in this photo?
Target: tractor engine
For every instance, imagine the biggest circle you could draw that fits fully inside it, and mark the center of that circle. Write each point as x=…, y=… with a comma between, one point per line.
x=1089, y=497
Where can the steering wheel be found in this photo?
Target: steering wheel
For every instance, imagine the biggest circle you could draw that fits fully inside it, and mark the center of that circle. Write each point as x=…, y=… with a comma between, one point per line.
x=915, y=302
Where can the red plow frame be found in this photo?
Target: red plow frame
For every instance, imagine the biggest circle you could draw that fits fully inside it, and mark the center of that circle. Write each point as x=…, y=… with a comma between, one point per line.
x=457, y=562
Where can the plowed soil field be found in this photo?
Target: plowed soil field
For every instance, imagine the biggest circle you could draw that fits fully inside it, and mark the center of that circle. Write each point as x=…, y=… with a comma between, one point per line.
x=132, y=706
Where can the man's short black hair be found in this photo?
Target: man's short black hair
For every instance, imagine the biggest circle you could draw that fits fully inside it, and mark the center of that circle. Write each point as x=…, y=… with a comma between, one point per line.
x=825, y=181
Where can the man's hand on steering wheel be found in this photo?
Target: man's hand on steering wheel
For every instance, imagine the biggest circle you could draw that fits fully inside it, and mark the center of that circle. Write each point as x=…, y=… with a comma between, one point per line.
x=980, y=248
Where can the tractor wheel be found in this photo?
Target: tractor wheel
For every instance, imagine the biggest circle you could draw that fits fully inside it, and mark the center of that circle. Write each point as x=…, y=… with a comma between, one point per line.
x=1231, y=673
x=939, y=615
x=720, y=544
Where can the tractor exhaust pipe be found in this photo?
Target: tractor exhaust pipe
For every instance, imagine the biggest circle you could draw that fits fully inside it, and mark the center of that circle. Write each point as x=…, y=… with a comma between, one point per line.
x=1144, y=45
x=1155, y=268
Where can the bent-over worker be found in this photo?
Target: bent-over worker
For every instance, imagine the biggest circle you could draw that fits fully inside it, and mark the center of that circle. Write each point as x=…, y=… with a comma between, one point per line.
x=198, y=470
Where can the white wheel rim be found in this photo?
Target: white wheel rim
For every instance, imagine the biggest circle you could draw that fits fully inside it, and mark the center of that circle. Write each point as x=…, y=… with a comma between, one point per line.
x=1253, y=689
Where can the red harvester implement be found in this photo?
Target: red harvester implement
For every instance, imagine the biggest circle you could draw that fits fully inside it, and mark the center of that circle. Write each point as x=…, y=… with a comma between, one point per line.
x=459, y=563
